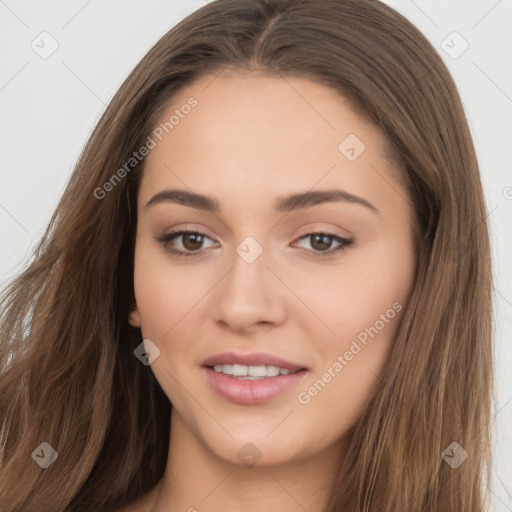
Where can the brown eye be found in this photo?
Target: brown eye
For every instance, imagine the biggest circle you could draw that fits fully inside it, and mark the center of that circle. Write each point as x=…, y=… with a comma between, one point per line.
x=183, y=243
x=192, y=241
x=321, y=242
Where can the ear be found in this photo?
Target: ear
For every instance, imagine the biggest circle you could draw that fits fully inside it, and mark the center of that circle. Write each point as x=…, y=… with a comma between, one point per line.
x=134, y=318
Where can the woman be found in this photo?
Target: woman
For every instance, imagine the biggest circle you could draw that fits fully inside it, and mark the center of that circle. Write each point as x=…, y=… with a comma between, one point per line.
x=278, y=228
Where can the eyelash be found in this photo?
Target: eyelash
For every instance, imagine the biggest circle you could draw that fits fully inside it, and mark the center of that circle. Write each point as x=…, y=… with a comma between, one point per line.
x=165, y=239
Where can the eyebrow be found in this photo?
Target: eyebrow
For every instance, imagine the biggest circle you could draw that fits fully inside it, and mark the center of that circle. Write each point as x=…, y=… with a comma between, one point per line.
x=283, y=204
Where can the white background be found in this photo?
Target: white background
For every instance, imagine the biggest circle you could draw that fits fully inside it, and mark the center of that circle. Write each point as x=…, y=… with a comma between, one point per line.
x=48, y=108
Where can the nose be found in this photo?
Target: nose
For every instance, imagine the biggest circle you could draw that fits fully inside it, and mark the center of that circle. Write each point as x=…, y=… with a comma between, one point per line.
x=250, y=294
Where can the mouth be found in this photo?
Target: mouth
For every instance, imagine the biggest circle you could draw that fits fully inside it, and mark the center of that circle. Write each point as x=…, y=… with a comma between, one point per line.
x=251, y=360
x=251, y=379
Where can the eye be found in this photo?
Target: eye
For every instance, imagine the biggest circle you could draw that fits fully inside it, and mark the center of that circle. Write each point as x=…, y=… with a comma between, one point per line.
x=192, y=241
x=320, y=241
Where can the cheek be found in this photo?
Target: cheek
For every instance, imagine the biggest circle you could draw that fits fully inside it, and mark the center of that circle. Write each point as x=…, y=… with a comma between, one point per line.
x=364, y=307
x=351, y=363
x=351, y=296
x=161, y=291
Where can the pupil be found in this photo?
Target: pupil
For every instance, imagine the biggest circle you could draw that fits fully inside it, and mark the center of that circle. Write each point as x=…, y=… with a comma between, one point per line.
x=325, y=241
x=195, y=237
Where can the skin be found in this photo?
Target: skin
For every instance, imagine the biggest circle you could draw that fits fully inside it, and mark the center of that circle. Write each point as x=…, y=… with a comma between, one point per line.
x=250, y=139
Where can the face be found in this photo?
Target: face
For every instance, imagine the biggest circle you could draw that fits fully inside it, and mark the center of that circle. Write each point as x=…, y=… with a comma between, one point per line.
x=313, y=285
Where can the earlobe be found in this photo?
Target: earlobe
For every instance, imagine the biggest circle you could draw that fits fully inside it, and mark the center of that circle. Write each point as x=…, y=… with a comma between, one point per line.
x=134, y=318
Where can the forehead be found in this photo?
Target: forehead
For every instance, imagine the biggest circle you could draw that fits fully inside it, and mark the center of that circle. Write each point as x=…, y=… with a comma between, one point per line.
x=250, y=133
x=264, y=105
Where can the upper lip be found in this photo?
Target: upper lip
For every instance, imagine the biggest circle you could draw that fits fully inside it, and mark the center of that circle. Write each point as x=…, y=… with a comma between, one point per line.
x=252, y=359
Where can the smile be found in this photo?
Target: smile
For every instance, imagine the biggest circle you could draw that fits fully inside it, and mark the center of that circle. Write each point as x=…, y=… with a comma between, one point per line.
x=251, y=389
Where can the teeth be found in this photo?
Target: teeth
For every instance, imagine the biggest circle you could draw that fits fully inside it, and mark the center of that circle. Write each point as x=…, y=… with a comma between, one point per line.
x=257, y=371
x=224, y=368
x=239, y=370
x=250, y=372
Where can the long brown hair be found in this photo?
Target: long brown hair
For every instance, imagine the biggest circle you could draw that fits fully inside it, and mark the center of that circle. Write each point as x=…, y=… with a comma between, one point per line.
x=68, y=373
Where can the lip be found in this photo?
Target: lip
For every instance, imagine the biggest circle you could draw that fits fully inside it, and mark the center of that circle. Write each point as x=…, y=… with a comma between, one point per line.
x=251, y=392
x=252, y=359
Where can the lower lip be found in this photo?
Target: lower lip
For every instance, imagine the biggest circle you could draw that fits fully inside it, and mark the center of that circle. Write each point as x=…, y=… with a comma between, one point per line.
x=251, y=392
